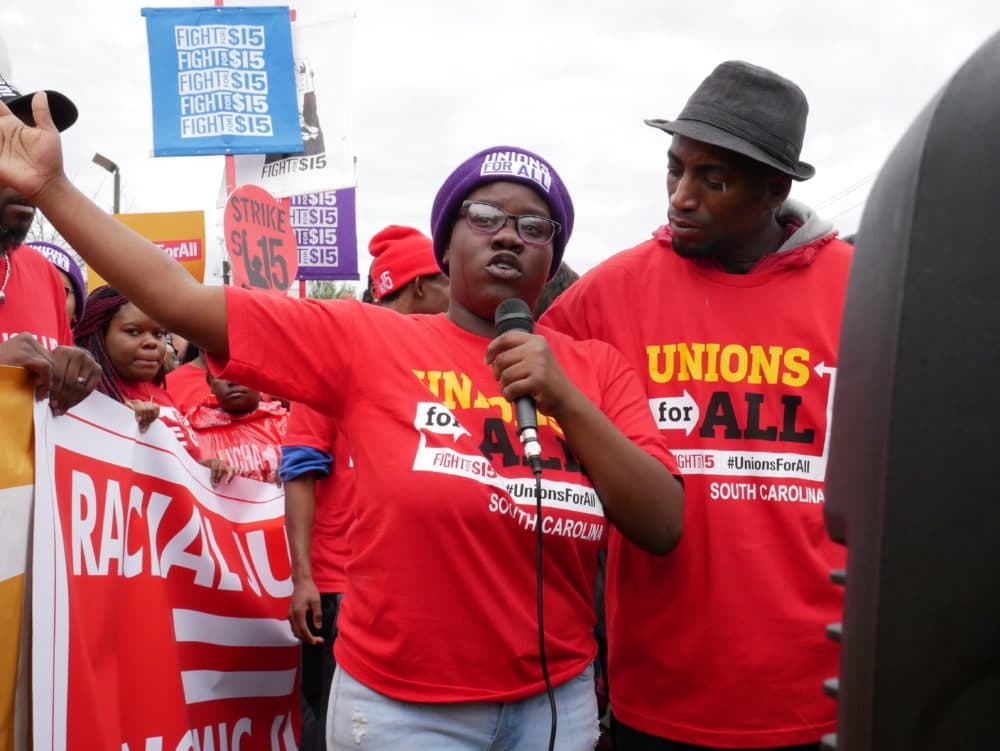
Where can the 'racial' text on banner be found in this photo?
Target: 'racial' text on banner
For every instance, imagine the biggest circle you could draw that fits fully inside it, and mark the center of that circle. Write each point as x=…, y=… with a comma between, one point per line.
x=159, y=602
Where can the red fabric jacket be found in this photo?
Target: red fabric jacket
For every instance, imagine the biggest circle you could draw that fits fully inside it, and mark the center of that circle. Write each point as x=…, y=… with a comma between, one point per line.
x=250, y=442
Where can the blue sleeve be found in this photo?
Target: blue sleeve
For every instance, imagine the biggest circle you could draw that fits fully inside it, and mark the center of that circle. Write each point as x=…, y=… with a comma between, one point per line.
x=297, y=460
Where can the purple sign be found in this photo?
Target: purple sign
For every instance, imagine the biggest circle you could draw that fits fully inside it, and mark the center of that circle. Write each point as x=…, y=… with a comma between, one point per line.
x=324, y=225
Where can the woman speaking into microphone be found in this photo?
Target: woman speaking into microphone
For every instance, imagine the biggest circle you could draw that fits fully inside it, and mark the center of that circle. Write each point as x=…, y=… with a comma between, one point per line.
x=439, y=644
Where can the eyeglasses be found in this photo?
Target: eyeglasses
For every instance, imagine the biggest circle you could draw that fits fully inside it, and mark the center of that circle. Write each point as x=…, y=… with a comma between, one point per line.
x=489, y=219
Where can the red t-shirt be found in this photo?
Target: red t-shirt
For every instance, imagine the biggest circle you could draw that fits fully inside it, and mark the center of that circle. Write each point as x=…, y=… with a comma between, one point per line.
x=249, y=442
x=721, y=642
x=329, y=550
x=169, y=414
x=188, y=387
x=35, y=301
x=440, y=599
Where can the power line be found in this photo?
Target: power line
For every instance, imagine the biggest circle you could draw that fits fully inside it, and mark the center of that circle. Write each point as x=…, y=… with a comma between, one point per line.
x=846, y=191
x=847, y=210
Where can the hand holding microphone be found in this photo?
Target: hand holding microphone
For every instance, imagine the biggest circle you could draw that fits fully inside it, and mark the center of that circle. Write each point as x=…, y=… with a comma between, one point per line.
x=527, y=371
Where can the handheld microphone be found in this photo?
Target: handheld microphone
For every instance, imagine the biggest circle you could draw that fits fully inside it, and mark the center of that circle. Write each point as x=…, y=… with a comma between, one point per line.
x=515, y=315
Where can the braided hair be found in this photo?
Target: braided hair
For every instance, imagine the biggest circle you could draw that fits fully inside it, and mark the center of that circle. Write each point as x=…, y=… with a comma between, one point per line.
x=89, y=334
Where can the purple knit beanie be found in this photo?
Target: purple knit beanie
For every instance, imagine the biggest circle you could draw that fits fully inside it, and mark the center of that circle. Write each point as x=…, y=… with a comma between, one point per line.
x=502, y=164
x=62, y=260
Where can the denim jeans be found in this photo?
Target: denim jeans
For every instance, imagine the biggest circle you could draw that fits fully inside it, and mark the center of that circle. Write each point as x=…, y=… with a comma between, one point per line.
x=364, y=720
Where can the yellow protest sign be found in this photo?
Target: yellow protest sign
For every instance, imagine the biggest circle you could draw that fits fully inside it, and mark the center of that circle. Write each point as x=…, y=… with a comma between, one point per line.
x=179, y=233
x=17, y=473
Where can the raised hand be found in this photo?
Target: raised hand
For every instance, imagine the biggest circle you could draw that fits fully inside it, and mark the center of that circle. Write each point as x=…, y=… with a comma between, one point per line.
x=31, y=162
x=30, y=157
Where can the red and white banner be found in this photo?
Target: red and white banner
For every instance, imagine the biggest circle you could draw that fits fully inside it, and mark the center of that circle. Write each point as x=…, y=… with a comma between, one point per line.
x=159, y=603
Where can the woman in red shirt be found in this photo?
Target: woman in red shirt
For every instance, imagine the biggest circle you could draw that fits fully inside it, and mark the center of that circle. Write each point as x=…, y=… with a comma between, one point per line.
x=441, y=643
x=131, y=348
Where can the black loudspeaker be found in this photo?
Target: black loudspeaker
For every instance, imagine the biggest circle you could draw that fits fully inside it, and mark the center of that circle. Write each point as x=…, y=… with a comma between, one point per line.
x=915, y=451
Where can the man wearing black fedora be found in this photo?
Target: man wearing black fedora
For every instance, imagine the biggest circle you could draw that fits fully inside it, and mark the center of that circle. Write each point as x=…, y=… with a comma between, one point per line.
x=731, y=313
x=32, y=296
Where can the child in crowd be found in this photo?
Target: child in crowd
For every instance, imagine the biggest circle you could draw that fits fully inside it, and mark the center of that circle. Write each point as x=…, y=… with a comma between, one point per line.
x=186, y=383
x=236, y=426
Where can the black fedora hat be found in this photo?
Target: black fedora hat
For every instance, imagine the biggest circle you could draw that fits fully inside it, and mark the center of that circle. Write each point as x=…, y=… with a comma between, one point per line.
x=64, y=112
x=749, y=110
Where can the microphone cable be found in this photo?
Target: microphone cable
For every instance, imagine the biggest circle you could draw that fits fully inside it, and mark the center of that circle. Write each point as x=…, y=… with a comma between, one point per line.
x=514, y=314
x=541, y=612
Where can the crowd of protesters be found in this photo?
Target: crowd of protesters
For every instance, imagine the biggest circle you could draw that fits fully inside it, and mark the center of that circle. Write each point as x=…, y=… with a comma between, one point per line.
x=715, y=608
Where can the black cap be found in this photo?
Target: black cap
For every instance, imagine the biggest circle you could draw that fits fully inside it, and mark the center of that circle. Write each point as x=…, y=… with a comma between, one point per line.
x=63, y=111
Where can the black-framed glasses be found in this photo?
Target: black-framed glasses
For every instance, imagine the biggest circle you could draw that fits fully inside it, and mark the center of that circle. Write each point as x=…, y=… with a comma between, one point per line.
x=488, y=219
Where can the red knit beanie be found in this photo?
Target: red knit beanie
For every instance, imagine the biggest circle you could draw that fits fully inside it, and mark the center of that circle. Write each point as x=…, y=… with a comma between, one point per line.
x=401, y=255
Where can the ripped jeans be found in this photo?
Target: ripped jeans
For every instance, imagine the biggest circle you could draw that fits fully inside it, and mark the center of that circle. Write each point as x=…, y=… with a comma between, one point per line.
x=365, y=720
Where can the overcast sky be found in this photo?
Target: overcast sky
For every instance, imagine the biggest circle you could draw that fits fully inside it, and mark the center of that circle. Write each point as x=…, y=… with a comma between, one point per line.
x=435, y=81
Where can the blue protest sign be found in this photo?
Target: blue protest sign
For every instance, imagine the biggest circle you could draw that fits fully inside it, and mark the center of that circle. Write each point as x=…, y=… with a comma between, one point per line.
x=223, y=81
x=325, y=232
